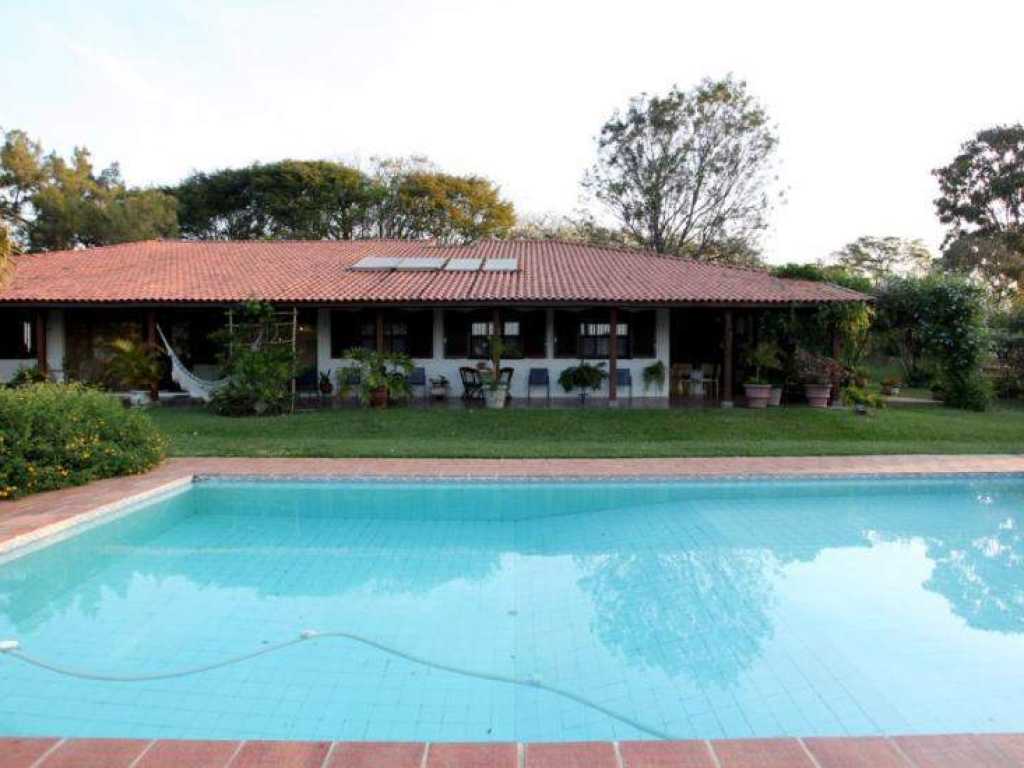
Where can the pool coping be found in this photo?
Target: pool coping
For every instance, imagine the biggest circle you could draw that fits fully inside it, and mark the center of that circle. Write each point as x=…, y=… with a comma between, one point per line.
x=963, y=750
x=39, y=520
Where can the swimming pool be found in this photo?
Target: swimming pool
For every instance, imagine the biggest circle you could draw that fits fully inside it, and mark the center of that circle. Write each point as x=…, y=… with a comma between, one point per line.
x=529, y=611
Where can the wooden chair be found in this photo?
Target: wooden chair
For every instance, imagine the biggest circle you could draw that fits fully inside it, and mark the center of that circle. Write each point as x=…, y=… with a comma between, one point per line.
x=472, y=384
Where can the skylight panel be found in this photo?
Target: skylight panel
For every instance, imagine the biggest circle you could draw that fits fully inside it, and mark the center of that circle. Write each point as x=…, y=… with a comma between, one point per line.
x=377, y=262
x=419, y=263
x=463, y=265
x=501, y=265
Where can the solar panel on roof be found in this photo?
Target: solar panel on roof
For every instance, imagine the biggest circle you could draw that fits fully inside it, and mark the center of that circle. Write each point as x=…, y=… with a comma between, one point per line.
x=501, y=265
x=377, y=262
x=463, y=265
x=420, y=263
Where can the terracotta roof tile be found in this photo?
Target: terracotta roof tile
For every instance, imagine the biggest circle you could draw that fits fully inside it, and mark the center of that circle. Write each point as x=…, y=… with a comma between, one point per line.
x=320, y=271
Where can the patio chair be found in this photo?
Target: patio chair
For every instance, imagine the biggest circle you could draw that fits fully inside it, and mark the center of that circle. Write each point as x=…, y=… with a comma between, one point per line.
x=418, y=378
x=538, y=378
x=624, y=378
x=472, y=384
x=710, y=380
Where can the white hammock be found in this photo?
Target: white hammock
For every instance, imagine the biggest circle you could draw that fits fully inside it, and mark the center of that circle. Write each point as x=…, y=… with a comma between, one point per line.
x=200, y=389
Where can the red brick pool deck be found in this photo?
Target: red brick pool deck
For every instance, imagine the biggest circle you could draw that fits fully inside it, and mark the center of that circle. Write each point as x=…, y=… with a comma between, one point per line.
x=38, y=516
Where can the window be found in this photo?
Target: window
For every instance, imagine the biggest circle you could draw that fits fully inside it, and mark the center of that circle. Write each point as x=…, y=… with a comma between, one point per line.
x=410, y=332
x=644, y=326
x=467, y=334
x=588, y=334
x=17, y=335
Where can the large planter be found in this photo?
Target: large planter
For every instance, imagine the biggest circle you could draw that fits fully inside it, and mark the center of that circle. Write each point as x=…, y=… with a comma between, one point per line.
x=758, y=395
x=817, y=394
x=775, y=400
x=379, y=397
x=496, y=397
x=439, y=392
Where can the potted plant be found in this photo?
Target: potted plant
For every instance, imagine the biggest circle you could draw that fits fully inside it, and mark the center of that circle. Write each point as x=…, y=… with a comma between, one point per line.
x=382, y=375
x=818, y=373
x=495, y=390
x=891, y=387
x=439, y=387
x=585, y=377
x=765, y=356
x=326, y=385
x=135, y=366
x=860, y=399
x=654, y=376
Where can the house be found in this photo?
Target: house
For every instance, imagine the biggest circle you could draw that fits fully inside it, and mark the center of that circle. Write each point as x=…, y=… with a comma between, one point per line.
x=554, y=303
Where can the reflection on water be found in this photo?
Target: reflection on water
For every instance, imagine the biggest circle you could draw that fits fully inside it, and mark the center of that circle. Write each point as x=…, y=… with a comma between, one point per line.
x=706, y=610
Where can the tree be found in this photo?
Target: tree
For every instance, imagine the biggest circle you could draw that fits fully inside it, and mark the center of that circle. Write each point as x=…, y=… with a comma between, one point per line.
x=51, y=203
x=416, y=200
x=942, y=316
x=297, y=199
x=982, y=202
x=687, y=173
x=879, y=258
x=579, y=228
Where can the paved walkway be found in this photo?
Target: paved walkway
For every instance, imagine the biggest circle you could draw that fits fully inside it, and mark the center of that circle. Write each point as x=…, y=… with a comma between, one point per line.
x=45, y=513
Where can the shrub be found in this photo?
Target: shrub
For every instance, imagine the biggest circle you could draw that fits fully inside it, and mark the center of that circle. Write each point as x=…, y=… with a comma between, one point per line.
x=585, y=376
x=380, y=370
x=26, y=375
x=57, y=435
x=133, y=365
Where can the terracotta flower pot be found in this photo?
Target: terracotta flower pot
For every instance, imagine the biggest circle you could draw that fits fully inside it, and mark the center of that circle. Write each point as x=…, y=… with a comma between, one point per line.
x=758, y=395
x=817, y=394
x=379, y=397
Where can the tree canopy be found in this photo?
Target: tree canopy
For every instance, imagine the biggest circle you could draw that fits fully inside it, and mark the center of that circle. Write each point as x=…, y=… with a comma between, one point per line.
x=981, y=201
x=687, y=173
x=319, y=199
x=879, y=258
x=51, y=203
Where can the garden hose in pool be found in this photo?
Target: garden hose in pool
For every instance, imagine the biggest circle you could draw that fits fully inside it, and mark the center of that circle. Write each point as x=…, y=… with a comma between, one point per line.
x=13, y=649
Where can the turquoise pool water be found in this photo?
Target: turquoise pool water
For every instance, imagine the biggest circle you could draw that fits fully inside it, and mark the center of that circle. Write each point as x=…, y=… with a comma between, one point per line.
x=718, y=609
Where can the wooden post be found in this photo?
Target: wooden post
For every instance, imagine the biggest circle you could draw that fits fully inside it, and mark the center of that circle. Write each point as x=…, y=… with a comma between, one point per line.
x=380, y=331
x=727, y=361
x=41, y=341
x=613, y=356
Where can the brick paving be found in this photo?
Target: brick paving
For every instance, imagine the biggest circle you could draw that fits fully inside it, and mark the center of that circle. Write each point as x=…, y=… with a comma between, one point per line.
x=42, y=514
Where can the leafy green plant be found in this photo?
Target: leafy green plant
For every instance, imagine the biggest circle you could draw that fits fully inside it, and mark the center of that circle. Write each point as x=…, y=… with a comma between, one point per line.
x=585, y=376
x=764, y=356
x=490, y=376
x=25, y=375
x=381, y=371
x=259, y=373
x=854, y=395
x=133, y=365
x=56, y=435
x=654, y=376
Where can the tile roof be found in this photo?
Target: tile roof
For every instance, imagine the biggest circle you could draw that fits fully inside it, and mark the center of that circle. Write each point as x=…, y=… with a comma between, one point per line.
x=161, y=271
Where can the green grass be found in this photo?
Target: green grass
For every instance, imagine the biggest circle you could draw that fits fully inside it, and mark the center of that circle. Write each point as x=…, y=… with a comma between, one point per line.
x=593, y=432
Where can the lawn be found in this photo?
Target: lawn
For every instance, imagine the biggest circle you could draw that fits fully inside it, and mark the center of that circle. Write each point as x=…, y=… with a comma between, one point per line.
x=593, y=432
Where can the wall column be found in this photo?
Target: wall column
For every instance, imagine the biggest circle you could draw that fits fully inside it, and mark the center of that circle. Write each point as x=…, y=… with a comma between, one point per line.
x=154, y=387
x=613, y=356
x=380, y=331
x=727, y=360
x=55, y=342
x=40, y=331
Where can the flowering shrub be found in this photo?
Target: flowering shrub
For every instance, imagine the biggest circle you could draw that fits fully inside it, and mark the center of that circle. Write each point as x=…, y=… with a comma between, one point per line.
x=56, y=435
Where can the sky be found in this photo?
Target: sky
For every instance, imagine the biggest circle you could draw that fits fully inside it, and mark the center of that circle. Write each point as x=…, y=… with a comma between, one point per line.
x=867, y=97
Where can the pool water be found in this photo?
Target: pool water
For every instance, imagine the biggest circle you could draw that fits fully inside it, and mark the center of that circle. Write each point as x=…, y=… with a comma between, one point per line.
x=687, y=609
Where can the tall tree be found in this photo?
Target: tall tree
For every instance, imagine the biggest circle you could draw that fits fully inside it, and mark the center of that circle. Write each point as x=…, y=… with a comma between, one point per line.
x=879, y=258
x=51, y=203
x=300, y=199
x=416, y=200
x=981, y=200
x=688, y=172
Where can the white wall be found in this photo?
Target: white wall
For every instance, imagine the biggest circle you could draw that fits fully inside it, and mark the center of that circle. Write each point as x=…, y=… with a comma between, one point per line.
x=441, y=366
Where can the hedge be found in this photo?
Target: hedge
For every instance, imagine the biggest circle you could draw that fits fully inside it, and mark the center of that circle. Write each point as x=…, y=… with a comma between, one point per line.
x=58, y=435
